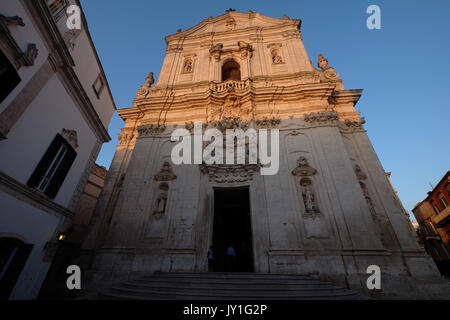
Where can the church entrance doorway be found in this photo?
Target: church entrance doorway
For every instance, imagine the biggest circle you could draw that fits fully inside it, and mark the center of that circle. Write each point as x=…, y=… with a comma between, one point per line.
x=232, y=226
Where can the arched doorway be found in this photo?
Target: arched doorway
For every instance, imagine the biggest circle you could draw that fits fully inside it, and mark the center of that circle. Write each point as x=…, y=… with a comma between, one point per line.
x=231, y=70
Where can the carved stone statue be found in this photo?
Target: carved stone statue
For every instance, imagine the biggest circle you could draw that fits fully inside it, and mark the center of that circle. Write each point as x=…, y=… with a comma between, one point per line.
x=322, y=62
x=149, y=81
x=161, y=203
x=187, y=68
x=328, y=72
x=276, y=57
x=144, y=90
x=309, y=199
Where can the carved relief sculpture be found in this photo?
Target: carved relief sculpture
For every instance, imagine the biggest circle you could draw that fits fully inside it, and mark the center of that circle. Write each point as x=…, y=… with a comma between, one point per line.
x=71, y=137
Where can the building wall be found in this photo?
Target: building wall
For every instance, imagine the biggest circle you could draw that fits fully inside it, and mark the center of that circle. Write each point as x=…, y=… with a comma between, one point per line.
x=55, y=93
x=50, y=112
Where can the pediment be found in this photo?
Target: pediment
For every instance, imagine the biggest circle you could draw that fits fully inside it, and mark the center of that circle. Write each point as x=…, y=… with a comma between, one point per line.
x=231, y=21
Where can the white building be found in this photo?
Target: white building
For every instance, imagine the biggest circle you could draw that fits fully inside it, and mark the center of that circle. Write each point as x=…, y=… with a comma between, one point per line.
x=55, y=107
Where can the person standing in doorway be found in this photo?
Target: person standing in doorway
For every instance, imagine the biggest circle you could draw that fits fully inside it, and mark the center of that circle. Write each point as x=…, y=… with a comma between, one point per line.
x=211, y=260
x=230, y=257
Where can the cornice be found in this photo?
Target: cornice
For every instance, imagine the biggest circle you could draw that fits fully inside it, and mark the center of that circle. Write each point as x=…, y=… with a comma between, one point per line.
x=32, y=196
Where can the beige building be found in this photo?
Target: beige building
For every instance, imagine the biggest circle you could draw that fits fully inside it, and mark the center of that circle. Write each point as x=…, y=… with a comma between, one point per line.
x=55, y=107
x=329, y=211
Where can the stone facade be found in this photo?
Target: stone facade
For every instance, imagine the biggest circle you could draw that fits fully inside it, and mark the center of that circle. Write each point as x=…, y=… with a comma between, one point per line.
x=330, y=211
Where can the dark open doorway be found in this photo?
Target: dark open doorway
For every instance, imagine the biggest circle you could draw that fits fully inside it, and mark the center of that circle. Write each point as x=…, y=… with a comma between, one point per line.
x=232, y=225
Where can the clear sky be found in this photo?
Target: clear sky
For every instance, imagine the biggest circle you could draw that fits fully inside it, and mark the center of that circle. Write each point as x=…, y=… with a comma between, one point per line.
x=404, y=68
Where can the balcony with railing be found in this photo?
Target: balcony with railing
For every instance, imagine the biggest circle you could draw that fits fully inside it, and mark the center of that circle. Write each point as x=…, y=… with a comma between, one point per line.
x=230, y=85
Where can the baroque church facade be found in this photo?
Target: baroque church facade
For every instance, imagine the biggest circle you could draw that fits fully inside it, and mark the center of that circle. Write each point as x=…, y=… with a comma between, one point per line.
x=330, y=211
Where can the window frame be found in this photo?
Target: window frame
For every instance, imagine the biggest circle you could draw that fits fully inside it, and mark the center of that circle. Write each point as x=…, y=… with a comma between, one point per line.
x=102, y=82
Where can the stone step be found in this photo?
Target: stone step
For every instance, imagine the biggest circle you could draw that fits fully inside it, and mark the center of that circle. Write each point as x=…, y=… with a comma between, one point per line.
x=150, y=294
x=225, y=286
x=235, y=284
x=227, y=275
x=230, y=287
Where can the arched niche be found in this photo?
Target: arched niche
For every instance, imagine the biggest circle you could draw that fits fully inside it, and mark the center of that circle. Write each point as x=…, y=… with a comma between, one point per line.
x=231, y=70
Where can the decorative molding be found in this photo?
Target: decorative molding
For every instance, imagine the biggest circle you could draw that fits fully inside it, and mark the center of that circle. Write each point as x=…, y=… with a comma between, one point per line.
x=230, y=173
x=148, y=130
x=355, y=124
x=21, y=58
x=71, y=137
x=229, y=123
x=321, y=117
x=268, y=122
x=244, y=49
x=127, y=137
x=99, y=171
x=166, y=173
x=303, y=169
x=174, y=48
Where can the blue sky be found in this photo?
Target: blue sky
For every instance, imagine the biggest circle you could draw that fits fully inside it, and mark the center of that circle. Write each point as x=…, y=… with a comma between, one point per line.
x=404, y=68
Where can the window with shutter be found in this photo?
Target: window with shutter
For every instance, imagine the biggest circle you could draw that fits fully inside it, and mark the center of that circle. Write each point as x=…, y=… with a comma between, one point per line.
x=53, y=167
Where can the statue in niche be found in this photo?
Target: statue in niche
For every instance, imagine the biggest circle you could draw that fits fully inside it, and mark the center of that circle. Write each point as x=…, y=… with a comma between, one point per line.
x=309, y=199
x=161, y=201
x=157, y=221
x=188, y=67
x=276, y=57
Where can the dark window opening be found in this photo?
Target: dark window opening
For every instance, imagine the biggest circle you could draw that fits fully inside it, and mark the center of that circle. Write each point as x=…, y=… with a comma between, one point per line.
x=13, y=256
x=53, y=167
x=9, y=78
x=231, y=71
